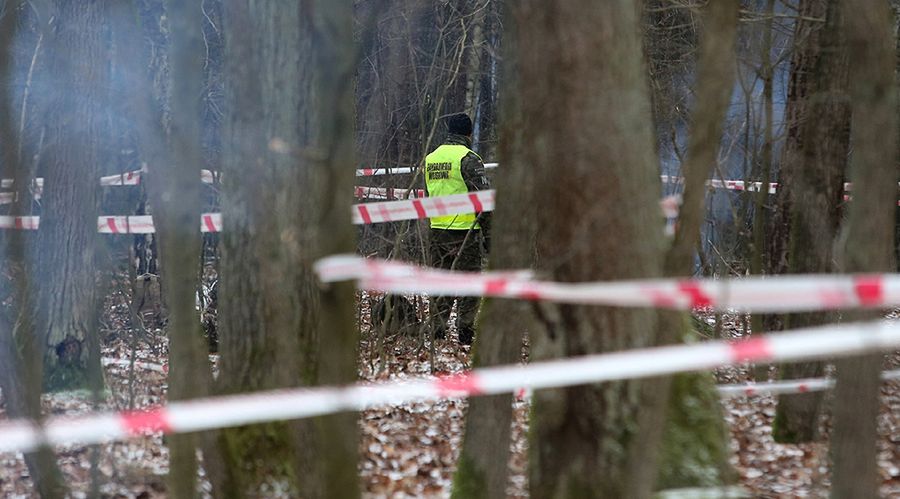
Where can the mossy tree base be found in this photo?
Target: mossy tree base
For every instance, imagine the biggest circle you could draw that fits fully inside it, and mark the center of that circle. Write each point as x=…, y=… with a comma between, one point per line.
x=468, y=482
x=258, y=454
x=64, y=377
x=695, y=450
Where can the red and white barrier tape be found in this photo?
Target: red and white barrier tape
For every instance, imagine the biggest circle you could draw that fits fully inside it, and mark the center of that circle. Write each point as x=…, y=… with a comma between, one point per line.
x=737, y=185
x=127, y=178
x=788, y=386
x=752, y=294
x=728, y=390
x=373, y=172
x=143, y=224
x=135, y=224
x=740, y=185
x=734, y=185
x=149, y=366
x=206, y=414
x=413, y=209
x=361, y=192
x=368, y=213
x=209, y=177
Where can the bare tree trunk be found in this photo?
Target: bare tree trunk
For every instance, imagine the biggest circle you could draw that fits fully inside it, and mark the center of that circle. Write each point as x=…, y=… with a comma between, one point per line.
x=332, y=186
x=869, y=235
x=813, y=164
x=760, y=199
x=21, y=353
x=483, y=467
x=67, y=240
x=473, y=73
x=589, y=141
x=175, y=190
x=695, y=439
x=268, y=311
x=288, y=180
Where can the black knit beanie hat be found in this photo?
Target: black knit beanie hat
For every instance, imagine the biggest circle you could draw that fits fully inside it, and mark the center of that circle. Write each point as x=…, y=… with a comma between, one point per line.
x=459, y=124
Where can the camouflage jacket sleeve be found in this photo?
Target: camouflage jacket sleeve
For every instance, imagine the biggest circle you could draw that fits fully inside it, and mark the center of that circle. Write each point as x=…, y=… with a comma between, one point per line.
x=472, y=169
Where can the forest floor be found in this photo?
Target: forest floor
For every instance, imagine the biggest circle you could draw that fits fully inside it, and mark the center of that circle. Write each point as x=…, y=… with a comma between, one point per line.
x=411, y=450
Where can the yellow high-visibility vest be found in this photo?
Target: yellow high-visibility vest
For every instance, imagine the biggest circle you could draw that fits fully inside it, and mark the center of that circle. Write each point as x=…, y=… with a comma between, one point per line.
x=443, y=177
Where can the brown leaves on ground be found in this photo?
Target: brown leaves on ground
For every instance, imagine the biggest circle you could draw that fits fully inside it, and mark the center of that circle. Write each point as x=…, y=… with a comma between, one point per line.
x=411, y=450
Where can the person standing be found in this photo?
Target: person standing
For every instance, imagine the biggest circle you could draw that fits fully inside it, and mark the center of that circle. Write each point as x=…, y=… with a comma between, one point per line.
x=457, y=242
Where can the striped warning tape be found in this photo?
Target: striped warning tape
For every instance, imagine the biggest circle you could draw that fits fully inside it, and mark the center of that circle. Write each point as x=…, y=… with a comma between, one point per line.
x=209, y=177
x=418, y=208
x=726, y=390
x=752, y=294
x=206, y=414
x=391, y=193
x=734, y=185
x=789, y=386
x=126, y=178
x=784, y=387
x=149, y=366
x=368, y=213
x=134, y=224
x=402, y=170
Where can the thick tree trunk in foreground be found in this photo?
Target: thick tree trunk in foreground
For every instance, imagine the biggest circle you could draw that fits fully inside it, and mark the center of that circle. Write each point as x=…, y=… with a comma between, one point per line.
x=267, y=316
x=67, y=240
x=813, y=163
x=288, y=178
x=589, y=139
x=483, y=466
x=869, y=236
x=694, y=450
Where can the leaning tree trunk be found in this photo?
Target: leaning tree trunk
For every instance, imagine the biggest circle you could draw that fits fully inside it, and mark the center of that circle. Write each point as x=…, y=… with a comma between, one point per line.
x=66, y=322
x=813, y=163
x=589, y=143
x=482, y=470
x=869, y=235
x=21, y=355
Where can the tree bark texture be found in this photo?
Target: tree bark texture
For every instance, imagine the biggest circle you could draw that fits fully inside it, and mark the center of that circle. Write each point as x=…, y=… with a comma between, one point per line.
x=66, y=268
x=760, y=202
x=21, y=353
x=812, y=169
x=483, y=467
x=331, y=192
x=473, y=72
x=670, y=44
x=268, y=312
x=590, y=142
x=867, y=241
x=695, y=439
x=175, y=190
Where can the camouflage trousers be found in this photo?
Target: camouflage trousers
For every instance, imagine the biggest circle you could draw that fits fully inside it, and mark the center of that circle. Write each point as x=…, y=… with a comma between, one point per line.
x=457, y=250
